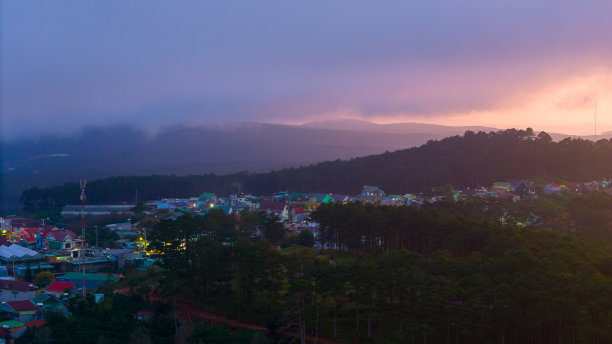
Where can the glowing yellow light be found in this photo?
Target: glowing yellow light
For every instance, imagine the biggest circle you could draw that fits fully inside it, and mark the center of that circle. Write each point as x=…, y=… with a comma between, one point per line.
x=212, y=205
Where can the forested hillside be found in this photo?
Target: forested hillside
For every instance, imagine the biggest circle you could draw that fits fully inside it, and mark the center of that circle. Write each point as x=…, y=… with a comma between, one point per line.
x=416, y=276
x=473, y=159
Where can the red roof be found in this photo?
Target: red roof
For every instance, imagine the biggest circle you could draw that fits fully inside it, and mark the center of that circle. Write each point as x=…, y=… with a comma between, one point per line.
x=29, y=239
x=36, y=323
x=274, y=206
x=17, y=223
x=30, y=231
x=298, y=210
x=14, y=285
x=59, y=286
x=21, y=306
x=54, y=231
x=61, y=235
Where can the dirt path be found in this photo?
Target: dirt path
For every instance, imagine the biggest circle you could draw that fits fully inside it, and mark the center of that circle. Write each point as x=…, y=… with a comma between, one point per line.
x=190, y=312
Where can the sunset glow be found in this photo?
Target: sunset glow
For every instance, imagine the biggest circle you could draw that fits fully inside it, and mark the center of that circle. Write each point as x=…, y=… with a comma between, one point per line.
x=199, y=63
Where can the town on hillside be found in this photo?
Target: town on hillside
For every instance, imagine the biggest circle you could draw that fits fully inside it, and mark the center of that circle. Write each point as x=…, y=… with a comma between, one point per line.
x=45, y=262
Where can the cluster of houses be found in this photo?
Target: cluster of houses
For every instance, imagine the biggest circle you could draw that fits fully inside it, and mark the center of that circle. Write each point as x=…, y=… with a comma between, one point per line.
x=32, y=242
x=554, y=188
x=294, y=208
x=23, y=305
x=28, y=246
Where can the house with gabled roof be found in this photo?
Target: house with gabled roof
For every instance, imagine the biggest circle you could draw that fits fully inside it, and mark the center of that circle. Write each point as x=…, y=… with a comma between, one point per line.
x=18, y=223
x=14, y=327
x=276, y=208
x=207, y=198
x=523, y=188
x=370, y=194
x=164, y=204
x=296, y=214
x=58, y=288
x=50, y=304
x=552, y=188
x=340, y=198
x=328, y=199
x=66, y=241
x=21, y=310
x=501, y=187
x=16, y=290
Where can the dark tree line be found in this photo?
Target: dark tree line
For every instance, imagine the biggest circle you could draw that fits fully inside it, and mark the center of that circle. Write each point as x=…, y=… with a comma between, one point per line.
x=470, y=160
x=109, y=322
x=397, y=275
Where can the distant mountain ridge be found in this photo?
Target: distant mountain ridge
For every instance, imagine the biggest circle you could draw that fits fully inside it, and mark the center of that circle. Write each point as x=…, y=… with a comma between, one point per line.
x=416, y=128
x=473, y=159
x=216, y=148
x=396, y=128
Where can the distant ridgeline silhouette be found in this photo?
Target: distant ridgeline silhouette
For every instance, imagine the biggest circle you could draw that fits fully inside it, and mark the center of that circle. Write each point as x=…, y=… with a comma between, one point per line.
x=473, y=159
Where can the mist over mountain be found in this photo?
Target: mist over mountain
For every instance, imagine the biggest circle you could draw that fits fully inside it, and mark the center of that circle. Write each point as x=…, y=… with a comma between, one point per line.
x=396, y=128
x=217, y=148
x=468, y=160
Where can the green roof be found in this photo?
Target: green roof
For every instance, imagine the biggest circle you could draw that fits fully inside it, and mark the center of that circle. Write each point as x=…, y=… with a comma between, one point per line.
x=207, y=195
x=5, y=308
x=12, y=323
x=225, y=208
x=295, y=195
x=126, y=233
x=89, y=276
x=41, y=298
x=319, y=196
x=328, y=199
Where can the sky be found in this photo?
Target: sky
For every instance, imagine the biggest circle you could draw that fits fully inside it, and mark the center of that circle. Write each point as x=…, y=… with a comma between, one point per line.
x=69, y=64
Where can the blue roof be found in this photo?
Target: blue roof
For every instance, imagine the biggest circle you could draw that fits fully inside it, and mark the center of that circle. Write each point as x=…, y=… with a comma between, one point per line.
x=226, y=208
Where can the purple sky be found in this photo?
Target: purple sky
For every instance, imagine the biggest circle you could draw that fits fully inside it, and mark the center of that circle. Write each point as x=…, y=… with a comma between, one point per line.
x=520, y=63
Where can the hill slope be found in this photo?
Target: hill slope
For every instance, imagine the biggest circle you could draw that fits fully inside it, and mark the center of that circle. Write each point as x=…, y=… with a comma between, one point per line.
x=470, y=160
x=103, y=152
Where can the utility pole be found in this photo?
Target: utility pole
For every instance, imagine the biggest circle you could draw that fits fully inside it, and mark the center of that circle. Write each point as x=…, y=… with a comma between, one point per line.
x=96, y=227
x=83, y=183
